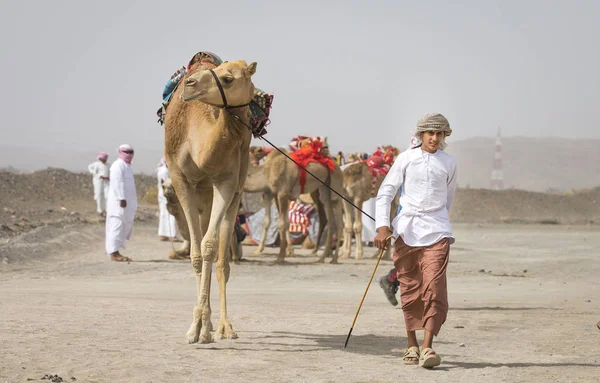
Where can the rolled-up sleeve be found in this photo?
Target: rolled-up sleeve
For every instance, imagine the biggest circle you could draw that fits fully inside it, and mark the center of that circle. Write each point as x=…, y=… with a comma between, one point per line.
x=387, y=191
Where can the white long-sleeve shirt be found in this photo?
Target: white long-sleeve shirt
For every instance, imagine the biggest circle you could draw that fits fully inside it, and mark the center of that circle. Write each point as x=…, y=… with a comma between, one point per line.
x=122, y=187
x=428, y=183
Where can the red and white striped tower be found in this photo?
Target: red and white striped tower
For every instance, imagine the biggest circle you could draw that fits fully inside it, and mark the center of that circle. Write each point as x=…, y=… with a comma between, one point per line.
x=497, y=177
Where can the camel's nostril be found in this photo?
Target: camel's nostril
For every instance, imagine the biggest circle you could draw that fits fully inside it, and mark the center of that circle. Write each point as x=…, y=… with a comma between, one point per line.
x=190, y=82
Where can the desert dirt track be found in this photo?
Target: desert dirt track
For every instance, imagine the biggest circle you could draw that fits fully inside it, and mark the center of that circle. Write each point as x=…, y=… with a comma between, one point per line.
x=66, y=310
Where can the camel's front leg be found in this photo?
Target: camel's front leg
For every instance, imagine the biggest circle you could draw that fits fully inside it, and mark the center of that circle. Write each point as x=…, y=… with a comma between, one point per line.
x=190, y=206
x=268, y=201
x=290, y=248
x=283, y=225
x=358, y=226
x=221, y=201
x=337, y=213
x=224, y=328
x=325, y=195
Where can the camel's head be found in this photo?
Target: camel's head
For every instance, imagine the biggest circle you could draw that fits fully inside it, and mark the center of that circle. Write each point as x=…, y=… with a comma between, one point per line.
x=234, y=78
x=169, y=191
x=257, y=153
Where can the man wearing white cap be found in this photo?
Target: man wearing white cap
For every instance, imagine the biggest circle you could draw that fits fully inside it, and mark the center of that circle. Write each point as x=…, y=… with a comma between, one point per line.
x=121, y=205
x=99, y=171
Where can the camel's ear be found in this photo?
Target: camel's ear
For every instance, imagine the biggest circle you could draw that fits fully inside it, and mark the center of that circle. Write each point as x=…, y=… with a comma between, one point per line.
x=252, y=68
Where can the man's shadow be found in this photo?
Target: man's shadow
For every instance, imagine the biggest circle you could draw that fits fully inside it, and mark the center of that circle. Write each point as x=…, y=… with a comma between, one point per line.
x=365, y=344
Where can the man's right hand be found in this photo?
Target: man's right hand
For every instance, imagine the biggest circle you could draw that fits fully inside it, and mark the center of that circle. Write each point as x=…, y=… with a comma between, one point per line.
x=123, y=203
x=380, y=239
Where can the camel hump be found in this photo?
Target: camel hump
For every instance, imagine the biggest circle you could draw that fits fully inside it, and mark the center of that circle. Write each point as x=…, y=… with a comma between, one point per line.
x=205, y=58
x=356, y=169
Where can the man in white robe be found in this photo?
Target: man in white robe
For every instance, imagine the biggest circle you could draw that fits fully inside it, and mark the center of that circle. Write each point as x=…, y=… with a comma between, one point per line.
x=422, y=233
x=167, y=227
x=99, y=172
x=121, y=204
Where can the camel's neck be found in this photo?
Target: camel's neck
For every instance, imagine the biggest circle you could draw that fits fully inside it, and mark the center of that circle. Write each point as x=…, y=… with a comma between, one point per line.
x=215, y=140
x=256, y=180
x=227, y=130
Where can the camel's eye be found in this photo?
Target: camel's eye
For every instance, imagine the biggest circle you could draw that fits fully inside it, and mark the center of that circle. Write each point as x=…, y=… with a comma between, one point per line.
x=227, y=79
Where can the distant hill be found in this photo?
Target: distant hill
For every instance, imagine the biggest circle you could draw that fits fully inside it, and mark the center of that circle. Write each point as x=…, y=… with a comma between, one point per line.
x=535, y=164
x=29, y=159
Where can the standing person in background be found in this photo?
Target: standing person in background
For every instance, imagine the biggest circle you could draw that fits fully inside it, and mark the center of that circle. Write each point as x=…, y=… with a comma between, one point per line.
x=167, y=228
x=121, y=205
x=99, y=171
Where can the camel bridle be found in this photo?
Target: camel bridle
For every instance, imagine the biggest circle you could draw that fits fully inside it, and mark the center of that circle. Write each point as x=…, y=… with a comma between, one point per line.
x=220, y=86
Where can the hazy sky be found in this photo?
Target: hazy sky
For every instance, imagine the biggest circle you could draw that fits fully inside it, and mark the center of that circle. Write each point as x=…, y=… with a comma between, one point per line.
x=89, y=75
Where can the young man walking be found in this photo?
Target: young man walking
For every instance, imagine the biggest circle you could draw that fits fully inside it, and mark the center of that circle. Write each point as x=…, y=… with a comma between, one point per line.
x=422, y=232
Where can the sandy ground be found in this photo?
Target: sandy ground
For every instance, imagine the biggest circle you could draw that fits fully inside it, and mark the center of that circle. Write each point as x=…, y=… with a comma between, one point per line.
x=66, y=310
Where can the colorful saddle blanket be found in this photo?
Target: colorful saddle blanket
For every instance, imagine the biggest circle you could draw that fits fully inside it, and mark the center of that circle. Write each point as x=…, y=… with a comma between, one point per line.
x=308, y=154
x=259, y=109
x=299, y=216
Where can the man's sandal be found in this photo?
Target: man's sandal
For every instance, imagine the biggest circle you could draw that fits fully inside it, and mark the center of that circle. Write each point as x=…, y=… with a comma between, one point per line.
x=411, y=355
x=429, y=358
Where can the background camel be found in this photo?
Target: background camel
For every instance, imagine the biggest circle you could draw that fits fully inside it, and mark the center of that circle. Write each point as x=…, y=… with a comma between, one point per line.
x=282, y=176
x=206, y=148
x=360, y=185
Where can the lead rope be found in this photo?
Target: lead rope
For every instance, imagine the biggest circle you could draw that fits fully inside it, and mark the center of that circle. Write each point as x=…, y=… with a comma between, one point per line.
x=300, y=166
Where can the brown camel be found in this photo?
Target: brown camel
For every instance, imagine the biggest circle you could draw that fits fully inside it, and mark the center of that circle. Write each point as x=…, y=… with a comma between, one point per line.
x=283, y=176
x=206, y=148
x=358, y=184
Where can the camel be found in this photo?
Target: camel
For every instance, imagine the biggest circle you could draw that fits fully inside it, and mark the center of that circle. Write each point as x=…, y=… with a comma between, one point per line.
x=282, y=176
x=358, y=184
x=175, y=209
x=207, y=142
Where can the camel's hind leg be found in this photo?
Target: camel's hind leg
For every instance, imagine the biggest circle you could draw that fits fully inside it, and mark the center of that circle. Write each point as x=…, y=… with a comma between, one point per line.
x=322, y=219
x=338, y=215
x=183, y=252
x=348, y=217
x=268, y=201
x=358, y=226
